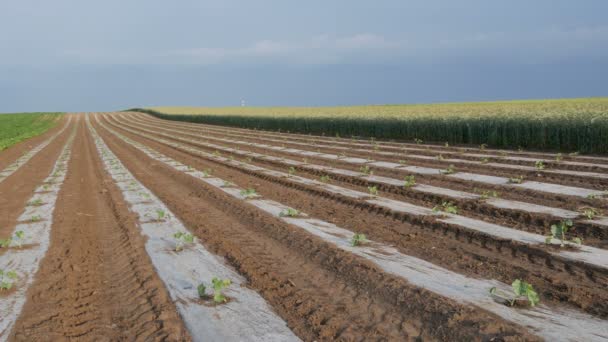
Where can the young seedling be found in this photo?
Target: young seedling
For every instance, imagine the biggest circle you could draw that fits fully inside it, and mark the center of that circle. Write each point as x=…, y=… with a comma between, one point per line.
x=325, y=179
x=7, y=279
x=402, y=162
x=305, y=161
x=249, y=193
x=181, y=239
x=589, y=213
x=483, y=146
x=160, y=214
x=358, y=239
x=440, y=157
x=365, y=170
x=227, y=184
x=449, y=170
x=485, y=160
x=485, y=194
x=217, y=153
x=521, y=290
x=516, y=180
x=446, y=144
x=145, y=195
x=373, y=190
x=289, y=212
x=292, y=171
x=447, y=207
x=35, y=218
x=558, y=232
x=5, y=243
x=539, y=165
x=409, y=181
x=18, y=239
x=36, y=203
x=342, y=155
x=559, y=157
x=376, y=147
x=218, y=286
x=418, y=141
x=573, y=154
x=206, y=173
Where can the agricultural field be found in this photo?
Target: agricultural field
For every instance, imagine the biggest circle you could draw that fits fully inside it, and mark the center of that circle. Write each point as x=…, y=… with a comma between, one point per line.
x=562, y=125
x=18, y=127
x=127, y=226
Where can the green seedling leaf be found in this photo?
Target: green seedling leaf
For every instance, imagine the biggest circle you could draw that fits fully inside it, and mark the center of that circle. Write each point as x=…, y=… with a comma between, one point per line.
x=325, y=179
x=358, y=239
x=409, y=181
x=516, y=180
x=201, y=288
x=218, y=286
x=373, y=190
x=539, y=165
x=451, y=169
x=365, y=170
x=249, y=193
x=182, y=239
x=289, y=212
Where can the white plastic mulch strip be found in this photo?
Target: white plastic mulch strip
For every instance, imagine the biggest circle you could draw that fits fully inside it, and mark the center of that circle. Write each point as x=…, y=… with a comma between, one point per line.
x=9, y=170
x=335, y=145
x=24, y=255
x=493, y=180
x=504, y=204
x=550, y=323
x=246, y=317
x=587, y=254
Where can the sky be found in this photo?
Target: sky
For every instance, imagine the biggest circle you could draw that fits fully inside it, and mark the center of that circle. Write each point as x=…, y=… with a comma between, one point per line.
x=69, y=55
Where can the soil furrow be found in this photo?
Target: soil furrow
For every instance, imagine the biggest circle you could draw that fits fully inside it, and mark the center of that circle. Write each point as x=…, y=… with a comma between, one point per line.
x=13, y=152
x=593, y=232
x=266, y=249
x=17, y=189
x=96, y=282
x=514, y=192
x=445, y=248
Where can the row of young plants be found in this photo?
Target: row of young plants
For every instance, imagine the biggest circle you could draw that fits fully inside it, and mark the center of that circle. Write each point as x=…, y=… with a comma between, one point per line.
x=448, y=170
x=365, y=170
x=446, y=207
x=522, y=291
x=199, y=283
x=27, y=245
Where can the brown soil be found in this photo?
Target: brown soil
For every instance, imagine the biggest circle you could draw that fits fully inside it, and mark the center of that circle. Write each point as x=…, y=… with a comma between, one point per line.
x=321, y=291
x=96, y=282
x=13, y=153
x=465, y=252
x=327, y=144
x=564, y=201
x=17, y=189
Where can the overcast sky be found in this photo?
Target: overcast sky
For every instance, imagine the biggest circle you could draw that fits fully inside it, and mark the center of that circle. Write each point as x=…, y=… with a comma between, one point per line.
x=104, y=55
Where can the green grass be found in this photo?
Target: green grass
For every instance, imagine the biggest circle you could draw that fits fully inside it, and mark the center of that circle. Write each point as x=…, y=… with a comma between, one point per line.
x=18, y=127
x=561, y=125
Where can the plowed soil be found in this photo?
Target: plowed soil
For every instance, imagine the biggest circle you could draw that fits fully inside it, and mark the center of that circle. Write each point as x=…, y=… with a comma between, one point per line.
x=98, y=283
